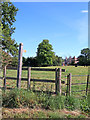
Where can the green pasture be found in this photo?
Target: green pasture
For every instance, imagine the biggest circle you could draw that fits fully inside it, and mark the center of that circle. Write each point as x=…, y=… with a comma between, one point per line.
x=49, y=75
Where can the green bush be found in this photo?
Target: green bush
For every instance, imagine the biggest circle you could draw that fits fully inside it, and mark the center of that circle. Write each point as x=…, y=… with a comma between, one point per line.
x=17, y=98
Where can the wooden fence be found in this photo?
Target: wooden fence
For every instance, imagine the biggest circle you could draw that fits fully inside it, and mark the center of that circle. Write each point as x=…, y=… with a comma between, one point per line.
x=57, y=80
x=69, y=84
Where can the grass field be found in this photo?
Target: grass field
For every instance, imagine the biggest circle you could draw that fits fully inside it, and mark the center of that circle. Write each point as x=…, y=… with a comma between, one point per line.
x=49, y=75
x=43, y=106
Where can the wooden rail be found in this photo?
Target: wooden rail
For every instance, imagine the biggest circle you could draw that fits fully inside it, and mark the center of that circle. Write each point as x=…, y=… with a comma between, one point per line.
x=36, y=69
x=57, y=80
x=69, y=78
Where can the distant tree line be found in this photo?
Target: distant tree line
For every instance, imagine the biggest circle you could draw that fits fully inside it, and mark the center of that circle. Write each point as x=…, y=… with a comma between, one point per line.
x=46, y=57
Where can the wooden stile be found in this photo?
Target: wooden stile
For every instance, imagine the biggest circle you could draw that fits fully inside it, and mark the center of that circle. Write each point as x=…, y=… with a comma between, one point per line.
x=29, y=77
x=19, y=70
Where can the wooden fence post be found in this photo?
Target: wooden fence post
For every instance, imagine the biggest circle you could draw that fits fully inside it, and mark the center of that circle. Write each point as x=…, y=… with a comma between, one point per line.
x=29, y=77
x=87, y=84
x=69, y=84
x=19, y=70
x=56, y=83
x=59, y=80
x=4, y=77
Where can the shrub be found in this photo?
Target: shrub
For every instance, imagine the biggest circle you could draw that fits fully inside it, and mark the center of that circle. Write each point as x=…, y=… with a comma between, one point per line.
x=17, y=98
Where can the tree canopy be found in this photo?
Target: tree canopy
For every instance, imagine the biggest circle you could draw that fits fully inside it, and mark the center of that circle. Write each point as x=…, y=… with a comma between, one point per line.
x=45, y=53
x=84, y=58
x=9, y=45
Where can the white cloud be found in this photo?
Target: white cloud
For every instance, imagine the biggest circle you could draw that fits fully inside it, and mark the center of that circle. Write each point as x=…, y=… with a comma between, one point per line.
x=84, y=11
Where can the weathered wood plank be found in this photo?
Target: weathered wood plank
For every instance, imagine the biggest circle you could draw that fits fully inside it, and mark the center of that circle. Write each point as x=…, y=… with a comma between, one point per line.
x=37, y=80
x=12, y=78
x=42, y=69
x=59, y=81
x=42, y=80
x=78, y=83
x=19, y=70
x=70, y=78
x=29, y=78
x=56, y=83
x=11, y=68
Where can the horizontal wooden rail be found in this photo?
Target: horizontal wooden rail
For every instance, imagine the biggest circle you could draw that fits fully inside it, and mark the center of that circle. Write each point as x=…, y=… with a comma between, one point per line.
x=37, y=80
x=42, y=69
x=42, y=80
x=12, y=68
x=76, y=75
x=78, y=83
x=36, y=69
x=39, y=69
x=12, y=78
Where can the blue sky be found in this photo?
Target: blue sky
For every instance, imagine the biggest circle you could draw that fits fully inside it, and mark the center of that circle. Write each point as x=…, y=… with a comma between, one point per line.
x=64, y=24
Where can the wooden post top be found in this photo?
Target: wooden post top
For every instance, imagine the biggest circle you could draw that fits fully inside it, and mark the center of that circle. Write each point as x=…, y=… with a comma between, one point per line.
x=21, y=44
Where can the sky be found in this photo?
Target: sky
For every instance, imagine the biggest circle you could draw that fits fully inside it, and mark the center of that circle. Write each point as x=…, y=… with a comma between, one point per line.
x=64, y=24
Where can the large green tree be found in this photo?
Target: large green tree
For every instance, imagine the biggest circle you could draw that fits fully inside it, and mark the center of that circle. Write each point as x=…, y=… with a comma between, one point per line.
x=45, y=53
x=84, y=58
x=9, y=45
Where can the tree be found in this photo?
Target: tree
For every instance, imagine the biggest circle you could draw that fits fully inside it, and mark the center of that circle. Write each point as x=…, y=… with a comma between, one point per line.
x=45, y=53
x=9, y=46
x=57, y=61
x=84, y=58
x=30, y=61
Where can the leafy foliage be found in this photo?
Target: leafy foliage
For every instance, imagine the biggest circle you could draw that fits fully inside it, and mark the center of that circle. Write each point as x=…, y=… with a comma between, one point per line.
x=84, y=58
x=30, y=61
x=9, y=45
x=45, y=53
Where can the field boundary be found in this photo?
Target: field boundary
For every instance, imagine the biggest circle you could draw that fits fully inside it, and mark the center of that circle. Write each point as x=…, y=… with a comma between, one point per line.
x=57, y=81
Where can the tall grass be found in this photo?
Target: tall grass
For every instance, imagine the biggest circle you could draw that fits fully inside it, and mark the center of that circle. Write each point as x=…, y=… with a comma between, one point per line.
x=21, y=98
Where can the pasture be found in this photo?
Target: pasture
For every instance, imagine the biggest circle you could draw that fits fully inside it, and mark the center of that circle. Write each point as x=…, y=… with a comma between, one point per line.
x=27, y=104
x=50, y=75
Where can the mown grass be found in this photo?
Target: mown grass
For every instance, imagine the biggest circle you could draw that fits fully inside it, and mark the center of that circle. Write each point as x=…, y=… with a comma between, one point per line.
x=80, y=70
